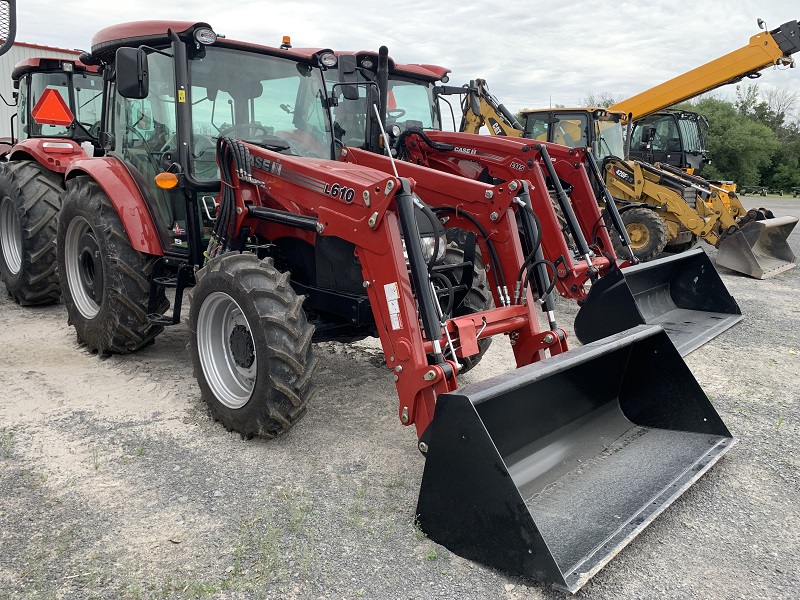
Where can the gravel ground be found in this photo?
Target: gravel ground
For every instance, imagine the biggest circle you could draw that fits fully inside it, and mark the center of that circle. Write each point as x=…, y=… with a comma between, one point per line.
x=115, y=483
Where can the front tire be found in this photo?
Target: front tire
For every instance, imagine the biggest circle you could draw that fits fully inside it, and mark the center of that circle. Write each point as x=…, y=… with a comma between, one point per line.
x=648, y=232
x=104, y=281
x=29, y=207
x=251, y=346
x=478, y=298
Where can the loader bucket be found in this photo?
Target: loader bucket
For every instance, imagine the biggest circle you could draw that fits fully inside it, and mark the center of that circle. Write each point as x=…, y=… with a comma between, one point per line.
x=682, y=293
x=548, y=471
x=759, y=249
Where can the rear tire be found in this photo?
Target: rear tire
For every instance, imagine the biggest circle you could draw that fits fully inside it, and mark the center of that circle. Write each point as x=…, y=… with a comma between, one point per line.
x=648, y=232
x=104, y=281
x=251, y=346
x=29, y=207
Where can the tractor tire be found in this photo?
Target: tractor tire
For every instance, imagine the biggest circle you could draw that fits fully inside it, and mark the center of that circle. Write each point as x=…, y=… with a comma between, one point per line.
x=29, y=207
x=678, y=248
x=478, y=298
x=105, y=282
x=648, y=232
x=251, y=345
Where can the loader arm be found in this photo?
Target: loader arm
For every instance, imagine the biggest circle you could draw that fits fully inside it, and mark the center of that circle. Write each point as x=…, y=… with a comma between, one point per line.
x=480, y=108
x=770, y=48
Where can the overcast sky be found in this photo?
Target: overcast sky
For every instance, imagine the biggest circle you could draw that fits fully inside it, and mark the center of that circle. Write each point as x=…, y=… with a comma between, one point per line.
x=531, y=52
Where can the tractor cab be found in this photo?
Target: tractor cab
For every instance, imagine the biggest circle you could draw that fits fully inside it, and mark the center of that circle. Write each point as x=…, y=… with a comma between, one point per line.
x=57, y=98
x=173, y=98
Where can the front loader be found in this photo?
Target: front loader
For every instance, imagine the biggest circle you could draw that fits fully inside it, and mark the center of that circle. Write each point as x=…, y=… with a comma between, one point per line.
x=284, y=246
x=577, y=256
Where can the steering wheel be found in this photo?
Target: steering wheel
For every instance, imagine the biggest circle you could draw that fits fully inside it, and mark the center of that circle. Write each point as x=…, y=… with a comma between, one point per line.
x=395, y=113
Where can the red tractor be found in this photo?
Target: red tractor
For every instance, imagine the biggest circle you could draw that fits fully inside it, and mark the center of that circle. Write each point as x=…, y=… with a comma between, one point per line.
x=234, y=192
x=579, y=243
x=58, y=114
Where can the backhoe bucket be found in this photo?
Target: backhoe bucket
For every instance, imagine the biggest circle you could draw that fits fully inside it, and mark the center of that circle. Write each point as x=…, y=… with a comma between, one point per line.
x=682, y=293
x=550, y=470
x=759, y=249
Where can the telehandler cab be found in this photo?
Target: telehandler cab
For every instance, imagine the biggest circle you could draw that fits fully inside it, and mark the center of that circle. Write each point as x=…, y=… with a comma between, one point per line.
x=284, y=246
x=685, y=295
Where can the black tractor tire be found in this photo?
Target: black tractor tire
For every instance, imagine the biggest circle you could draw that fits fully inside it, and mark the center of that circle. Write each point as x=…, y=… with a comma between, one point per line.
x=648, y=232
x=251, y=345
x=29, y=206
x=678, y=248
x=478, y=298
x=105, y=283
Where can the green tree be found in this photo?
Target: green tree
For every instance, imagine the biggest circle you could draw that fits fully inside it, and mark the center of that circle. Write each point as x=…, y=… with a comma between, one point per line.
x=740, y=147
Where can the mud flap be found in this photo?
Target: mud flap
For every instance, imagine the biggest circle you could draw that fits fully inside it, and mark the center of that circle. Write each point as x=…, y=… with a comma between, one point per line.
x=759, y=249
x=550, y=470
x=682, y=293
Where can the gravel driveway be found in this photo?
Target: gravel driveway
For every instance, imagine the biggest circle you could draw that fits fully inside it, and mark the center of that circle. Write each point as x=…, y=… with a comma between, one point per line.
x=115, y=483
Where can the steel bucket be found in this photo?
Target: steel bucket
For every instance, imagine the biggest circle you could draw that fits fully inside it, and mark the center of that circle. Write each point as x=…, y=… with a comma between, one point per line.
x=550, y=470
x=682, y=293
x=759, y=248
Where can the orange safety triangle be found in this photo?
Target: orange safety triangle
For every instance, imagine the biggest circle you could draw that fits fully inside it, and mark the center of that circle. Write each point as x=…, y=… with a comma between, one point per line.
x=52, y=110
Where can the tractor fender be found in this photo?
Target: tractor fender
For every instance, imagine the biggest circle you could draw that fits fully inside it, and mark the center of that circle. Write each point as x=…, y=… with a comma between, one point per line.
x=121, y=189
x=53, y=154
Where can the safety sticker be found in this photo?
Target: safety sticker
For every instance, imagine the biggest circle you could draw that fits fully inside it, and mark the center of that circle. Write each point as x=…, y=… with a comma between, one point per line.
x=393, y=301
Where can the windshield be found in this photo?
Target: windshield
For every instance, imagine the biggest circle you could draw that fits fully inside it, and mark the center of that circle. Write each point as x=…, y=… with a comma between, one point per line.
x=409, y=103
x=609, y=140
x=266, y=100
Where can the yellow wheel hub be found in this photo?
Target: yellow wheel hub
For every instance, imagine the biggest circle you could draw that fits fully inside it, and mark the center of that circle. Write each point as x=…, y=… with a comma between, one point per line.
x=639, y=234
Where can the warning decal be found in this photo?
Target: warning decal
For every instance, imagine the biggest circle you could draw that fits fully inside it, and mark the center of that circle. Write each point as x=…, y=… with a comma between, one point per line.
x=393, y=301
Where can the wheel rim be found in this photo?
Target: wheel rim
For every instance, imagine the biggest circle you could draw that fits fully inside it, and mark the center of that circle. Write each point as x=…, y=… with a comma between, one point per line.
x=10, y=236
x=84, y=267
x=639, y=234
x=227, y=350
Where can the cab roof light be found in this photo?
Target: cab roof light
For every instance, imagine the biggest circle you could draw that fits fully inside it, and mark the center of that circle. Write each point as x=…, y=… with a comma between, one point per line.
x=286, y=43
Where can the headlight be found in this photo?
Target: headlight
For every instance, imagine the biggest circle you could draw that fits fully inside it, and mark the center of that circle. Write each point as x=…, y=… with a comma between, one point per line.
x=328, y=60
x=428, y=244
x=205, y=36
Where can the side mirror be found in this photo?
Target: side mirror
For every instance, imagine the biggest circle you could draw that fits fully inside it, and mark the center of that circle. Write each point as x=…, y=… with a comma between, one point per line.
x=648, y=133
x=133, y=80
x=348, y=70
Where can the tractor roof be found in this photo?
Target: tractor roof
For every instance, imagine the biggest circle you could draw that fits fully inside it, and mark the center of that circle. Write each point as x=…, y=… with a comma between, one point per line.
x=48, y=64
x=106, y=41
x=417, y=71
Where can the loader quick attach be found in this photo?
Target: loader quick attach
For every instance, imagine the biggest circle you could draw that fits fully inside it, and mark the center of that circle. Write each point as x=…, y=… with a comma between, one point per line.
x=545, y=471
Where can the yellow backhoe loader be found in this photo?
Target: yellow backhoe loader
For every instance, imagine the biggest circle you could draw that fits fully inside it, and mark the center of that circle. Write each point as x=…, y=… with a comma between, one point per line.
x=663, y=205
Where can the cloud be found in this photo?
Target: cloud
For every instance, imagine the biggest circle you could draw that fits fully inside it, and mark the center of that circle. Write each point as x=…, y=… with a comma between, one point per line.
x=531, y=52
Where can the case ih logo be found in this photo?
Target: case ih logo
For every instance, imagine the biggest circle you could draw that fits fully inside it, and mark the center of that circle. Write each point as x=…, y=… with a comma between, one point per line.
x=465, y=150
x=623, y=175
x=265, y=164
